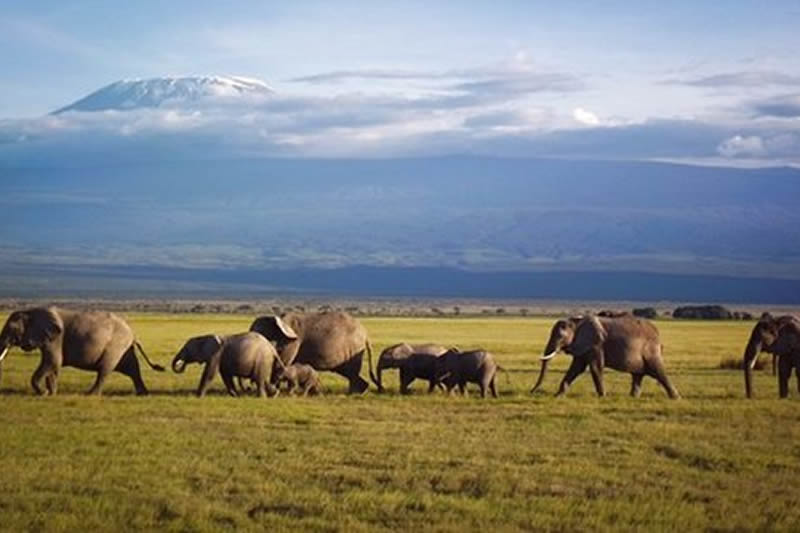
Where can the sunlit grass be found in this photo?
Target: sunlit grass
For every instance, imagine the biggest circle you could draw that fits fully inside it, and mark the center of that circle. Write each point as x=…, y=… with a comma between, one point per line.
x=712, y=460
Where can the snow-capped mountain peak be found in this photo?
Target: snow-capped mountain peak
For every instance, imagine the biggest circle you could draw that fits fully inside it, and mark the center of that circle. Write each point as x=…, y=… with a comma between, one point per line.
x=155, y=92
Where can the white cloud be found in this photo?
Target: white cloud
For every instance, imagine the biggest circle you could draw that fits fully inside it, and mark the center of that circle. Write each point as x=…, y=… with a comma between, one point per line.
x=583, y=116
x=739, y=146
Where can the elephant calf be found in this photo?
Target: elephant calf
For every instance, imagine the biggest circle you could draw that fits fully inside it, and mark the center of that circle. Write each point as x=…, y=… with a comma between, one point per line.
x=414, y=361
x=459, y=368
x=246, y=355
x=298, y=377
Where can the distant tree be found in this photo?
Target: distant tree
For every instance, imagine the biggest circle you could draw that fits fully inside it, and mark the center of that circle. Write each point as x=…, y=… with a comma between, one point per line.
x=645, y=312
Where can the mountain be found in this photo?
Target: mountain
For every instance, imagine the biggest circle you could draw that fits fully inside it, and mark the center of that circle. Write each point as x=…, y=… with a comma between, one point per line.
x=156, y=92
x=472, y=213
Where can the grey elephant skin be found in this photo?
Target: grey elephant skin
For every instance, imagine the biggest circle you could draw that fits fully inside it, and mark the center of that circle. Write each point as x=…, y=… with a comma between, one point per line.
x=786, y=347
x=332, y=341
x=414, y=361
x=245, y=355
x=455, y=368
x=97, y=341
x=626, y=344
x=300, y=379
x=762, y=338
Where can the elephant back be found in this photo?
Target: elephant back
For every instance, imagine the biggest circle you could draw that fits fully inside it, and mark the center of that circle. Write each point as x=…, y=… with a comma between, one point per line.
x=330, y=339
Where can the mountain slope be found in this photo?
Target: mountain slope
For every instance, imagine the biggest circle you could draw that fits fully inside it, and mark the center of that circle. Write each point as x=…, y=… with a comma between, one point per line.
x=155, y=92
x=463, y=212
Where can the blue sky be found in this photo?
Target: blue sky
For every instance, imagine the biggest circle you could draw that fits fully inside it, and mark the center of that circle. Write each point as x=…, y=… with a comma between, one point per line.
x=727, y=70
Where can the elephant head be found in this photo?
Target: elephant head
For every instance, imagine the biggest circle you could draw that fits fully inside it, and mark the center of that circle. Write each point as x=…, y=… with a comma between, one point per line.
x=575, y=336
x=197, y=350
x=30, y=329
x=285, y=331
x=764, y=334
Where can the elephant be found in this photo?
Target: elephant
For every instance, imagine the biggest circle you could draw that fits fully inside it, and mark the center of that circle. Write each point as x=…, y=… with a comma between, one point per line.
x=93, y=340
x=786, y=347
x=397, y=355
x=459, y=368
x=627, y=344
x=301, y=378
x=332, y=341
x=247, y=355
x=764, y=334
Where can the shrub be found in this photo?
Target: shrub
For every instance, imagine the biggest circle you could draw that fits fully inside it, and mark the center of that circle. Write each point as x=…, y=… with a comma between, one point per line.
x=645, y=312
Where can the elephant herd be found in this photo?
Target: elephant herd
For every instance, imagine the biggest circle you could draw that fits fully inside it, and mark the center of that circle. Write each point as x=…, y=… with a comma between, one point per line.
x=291, y=348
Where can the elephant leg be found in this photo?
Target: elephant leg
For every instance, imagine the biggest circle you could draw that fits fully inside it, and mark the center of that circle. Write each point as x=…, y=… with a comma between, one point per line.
x=784, y=373
x=262, y=389
x=575, y=369
x=636, y=384
x=656, y=370
x=44, y=369
x=227, y=379
x=596, y=369
x=406, y=378
x=51, y=383
x=492, y=387
x=97, y=388
x=462, y=388
x=351, y=370
x=129, y=366
x=796, y=366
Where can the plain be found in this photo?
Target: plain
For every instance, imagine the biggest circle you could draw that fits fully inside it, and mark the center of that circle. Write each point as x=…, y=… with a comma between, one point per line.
x=709, y=461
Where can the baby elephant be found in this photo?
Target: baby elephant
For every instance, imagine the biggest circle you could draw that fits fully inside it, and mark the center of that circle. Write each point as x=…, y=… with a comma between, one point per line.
x=302, y=378
x=246, y=355
x=459, y=368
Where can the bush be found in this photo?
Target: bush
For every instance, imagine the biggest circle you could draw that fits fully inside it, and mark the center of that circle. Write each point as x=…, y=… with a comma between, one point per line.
x=703, y=312
x=612, y=314
x=645, y=312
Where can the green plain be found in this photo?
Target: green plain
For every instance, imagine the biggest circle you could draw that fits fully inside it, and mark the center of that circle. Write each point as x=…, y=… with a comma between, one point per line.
x=709, y=461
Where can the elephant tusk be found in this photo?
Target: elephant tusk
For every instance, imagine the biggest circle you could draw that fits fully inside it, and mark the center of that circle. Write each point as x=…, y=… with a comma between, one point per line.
x=548, y=356
x=752, y=362
x=179, y=366
x=3, y=355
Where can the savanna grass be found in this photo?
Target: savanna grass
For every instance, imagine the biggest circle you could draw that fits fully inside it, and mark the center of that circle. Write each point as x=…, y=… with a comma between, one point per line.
x=712, y=460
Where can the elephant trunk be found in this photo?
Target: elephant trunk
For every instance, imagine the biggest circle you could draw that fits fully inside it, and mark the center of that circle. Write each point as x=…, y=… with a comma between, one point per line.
x=178, y=364
x=549, y=352
x=749, y=361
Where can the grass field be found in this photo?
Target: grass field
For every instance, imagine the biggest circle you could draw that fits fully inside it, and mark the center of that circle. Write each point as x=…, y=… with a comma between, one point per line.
x=170, y=461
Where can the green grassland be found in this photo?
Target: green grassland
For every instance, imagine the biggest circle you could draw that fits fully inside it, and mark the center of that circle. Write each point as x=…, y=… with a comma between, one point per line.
x=710, y=461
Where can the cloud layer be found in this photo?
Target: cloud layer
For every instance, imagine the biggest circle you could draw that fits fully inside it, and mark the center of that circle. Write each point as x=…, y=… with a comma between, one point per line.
x=514, y=108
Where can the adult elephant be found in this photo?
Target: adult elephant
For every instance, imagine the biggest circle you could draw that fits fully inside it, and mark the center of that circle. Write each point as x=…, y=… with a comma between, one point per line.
x=97, y=341
x=397, y=355
x=762, y=339
x=332, y=341
x=627, y=344
x=787, y=349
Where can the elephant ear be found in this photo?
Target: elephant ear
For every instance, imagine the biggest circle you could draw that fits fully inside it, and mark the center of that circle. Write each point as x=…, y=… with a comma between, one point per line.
x=211, y=346
x=590, y=333
x=45, y=325
x=273, y=328
x=788, y=340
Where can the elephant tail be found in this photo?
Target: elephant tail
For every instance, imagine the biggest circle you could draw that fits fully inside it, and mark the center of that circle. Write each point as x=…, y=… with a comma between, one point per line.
x=157, y=368
x=369, y=361
x=507, y=373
